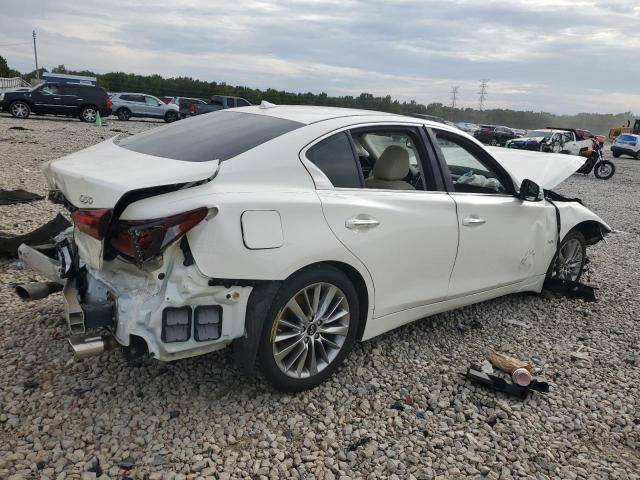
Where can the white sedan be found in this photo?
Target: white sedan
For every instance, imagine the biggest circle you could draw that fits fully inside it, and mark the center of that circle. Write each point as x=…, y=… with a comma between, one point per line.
x=293, y=232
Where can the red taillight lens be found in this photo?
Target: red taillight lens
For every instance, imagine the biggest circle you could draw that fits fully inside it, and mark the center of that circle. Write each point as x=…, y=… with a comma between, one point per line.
x=192, y=108
x=109, y=103
x=145, y=239
x=93, y=222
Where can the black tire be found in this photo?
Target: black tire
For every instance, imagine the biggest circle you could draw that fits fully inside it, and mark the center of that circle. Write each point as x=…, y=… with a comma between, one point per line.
x=20, y=109
x=637, y=155
x=88, y=114
x=552, y=271
x=493, y=142
x=291, y=289
x=123, y=114
x=604, y=170
x=171, y=117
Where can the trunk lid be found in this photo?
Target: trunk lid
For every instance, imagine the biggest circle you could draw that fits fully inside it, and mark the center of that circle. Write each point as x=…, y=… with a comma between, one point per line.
x=546, y=169
x=99, y=176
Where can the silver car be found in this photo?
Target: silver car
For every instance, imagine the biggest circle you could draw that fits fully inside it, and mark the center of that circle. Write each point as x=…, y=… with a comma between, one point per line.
x=127, y=105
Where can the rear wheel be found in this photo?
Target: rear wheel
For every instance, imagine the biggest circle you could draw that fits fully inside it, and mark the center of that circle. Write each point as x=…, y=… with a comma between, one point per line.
x=123, y=114
x=20, y=109
x=311, y=327
x=171, y=117
x=88, y=114
x=604, y=170
x=570, y=259
x=637, y=155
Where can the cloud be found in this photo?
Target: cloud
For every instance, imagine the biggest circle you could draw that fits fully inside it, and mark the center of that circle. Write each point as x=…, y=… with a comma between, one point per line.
x=556, y=55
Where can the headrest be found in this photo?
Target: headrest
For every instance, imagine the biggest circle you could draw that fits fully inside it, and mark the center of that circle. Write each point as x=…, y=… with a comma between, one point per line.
x=393, y=164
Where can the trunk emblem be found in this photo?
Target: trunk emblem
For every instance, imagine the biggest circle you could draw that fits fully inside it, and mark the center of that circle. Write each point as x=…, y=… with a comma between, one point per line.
x=86, y=200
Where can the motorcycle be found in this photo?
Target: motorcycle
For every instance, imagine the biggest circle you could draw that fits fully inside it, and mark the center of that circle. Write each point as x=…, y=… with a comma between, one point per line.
x=602, y=169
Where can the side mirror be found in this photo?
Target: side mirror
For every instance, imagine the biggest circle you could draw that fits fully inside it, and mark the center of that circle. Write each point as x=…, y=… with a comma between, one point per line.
x=530, y=191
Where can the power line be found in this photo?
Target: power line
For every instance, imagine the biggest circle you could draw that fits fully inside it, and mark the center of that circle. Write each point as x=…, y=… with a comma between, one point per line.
x=482, y=94
x=12, y=44
x=454, y=96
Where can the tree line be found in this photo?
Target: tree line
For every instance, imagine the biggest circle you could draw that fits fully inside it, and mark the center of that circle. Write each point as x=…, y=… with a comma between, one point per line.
x=191, y=87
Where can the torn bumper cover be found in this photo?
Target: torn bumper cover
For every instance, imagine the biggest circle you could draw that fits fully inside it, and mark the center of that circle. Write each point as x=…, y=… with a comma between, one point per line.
x=173, y=308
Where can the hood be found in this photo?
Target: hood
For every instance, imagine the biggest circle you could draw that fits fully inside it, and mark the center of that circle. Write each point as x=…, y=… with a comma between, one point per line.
x=546, y=169
x=98, y=176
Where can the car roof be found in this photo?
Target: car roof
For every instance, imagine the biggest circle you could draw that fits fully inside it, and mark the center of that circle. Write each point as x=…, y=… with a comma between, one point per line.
x=307, y=114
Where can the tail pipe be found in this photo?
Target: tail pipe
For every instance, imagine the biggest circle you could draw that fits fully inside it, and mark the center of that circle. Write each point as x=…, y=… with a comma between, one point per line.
x=89, y=346
x=37, y=290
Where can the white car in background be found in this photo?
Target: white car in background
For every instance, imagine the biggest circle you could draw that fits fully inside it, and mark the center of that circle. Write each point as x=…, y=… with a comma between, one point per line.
x=467, y=127
x=293, y=232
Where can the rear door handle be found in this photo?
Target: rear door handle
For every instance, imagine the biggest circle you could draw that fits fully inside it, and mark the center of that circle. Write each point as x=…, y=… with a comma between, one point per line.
x=360, y=222
x=473, y=221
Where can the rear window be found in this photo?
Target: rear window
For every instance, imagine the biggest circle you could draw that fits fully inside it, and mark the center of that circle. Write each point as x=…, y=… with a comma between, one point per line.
x=212, y=136
x=627, y=138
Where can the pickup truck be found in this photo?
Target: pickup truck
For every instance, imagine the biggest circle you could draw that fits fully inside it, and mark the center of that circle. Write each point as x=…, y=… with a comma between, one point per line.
x=555, y=140
x=218, y=102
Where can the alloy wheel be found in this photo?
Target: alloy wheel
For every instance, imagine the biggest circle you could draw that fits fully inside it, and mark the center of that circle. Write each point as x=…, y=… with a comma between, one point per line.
x=310, y=330
x=568, y=265
x=19, y=110
x=89, y=115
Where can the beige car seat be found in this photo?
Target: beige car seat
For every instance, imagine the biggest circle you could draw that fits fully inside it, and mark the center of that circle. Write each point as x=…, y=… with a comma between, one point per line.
x=390, y=170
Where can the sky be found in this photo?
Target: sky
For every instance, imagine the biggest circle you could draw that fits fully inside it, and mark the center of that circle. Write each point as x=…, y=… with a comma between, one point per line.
x=561, y=56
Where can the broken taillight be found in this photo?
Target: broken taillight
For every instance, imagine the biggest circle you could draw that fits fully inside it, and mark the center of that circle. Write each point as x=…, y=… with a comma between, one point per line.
x=93, y=222
x=145, y=239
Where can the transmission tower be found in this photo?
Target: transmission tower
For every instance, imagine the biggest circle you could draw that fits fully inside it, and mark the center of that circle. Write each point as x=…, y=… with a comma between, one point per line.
x=482, y=94
x=454, y=96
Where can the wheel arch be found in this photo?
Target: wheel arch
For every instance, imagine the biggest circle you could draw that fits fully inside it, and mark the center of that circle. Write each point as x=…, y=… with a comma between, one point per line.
x=245, y=349
x=592, y=231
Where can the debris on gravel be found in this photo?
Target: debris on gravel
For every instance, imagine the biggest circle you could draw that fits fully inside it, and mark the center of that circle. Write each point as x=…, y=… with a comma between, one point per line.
x=397, y=409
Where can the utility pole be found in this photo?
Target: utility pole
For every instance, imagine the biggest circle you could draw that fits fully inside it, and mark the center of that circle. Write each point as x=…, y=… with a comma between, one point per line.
x=482, y=94
x=454, y=96
x=35, y=54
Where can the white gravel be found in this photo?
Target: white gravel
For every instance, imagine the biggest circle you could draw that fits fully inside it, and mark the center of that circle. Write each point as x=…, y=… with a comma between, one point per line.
x=200, y=418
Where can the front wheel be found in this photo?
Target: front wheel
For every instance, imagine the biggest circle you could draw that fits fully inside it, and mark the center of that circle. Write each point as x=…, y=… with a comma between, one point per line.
x=171, y=117
x=604, y=170
x=20, y=109
x=570, y=259
x=311, y=327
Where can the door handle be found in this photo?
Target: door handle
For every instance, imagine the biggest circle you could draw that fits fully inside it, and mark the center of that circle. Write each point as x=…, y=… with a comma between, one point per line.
x=360, y=222
x=473, y=221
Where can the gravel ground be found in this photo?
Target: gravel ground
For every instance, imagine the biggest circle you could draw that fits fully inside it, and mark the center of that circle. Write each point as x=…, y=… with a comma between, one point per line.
x=398, y=409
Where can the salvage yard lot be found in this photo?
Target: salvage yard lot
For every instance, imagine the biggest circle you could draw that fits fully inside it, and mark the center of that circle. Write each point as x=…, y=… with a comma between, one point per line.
x=397, y=409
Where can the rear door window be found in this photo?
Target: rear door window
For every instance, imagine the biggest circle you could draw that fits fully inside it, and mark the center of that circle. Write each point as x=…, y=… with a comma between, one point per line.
x=335, y=158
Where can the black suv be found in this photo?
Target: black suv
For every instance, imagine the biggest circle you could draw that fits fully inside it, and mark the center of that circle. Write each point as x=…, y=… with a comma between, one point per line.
x=494, y=135
x=73, y=100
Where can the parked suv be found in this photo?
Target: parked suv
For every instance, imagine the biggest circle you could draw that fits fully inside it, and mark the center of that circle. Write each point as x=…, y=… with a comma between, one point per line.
x=218, y=102
x=127, y=105
x=494, y=135
x=82, y=101
x=184, y=105
x=626, y=144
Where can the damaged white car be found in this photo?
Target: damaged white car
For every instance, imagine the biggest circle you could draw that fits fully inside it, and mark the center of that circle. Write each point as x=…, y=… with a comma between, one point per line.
x=293, y=232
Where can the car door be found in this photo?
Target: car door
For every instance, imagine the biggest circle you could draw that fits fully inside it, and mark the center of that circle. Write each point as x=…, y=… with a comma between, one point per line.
x=47, y=99
x=153, y=107
x=135, y=103
x=504, y=241
x=71, y=99
x=406, y=235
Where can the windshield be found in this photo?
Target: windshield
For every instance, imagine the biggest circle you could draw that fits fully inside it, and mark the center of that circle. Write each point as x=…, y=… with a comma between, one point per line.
x=539, y=133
